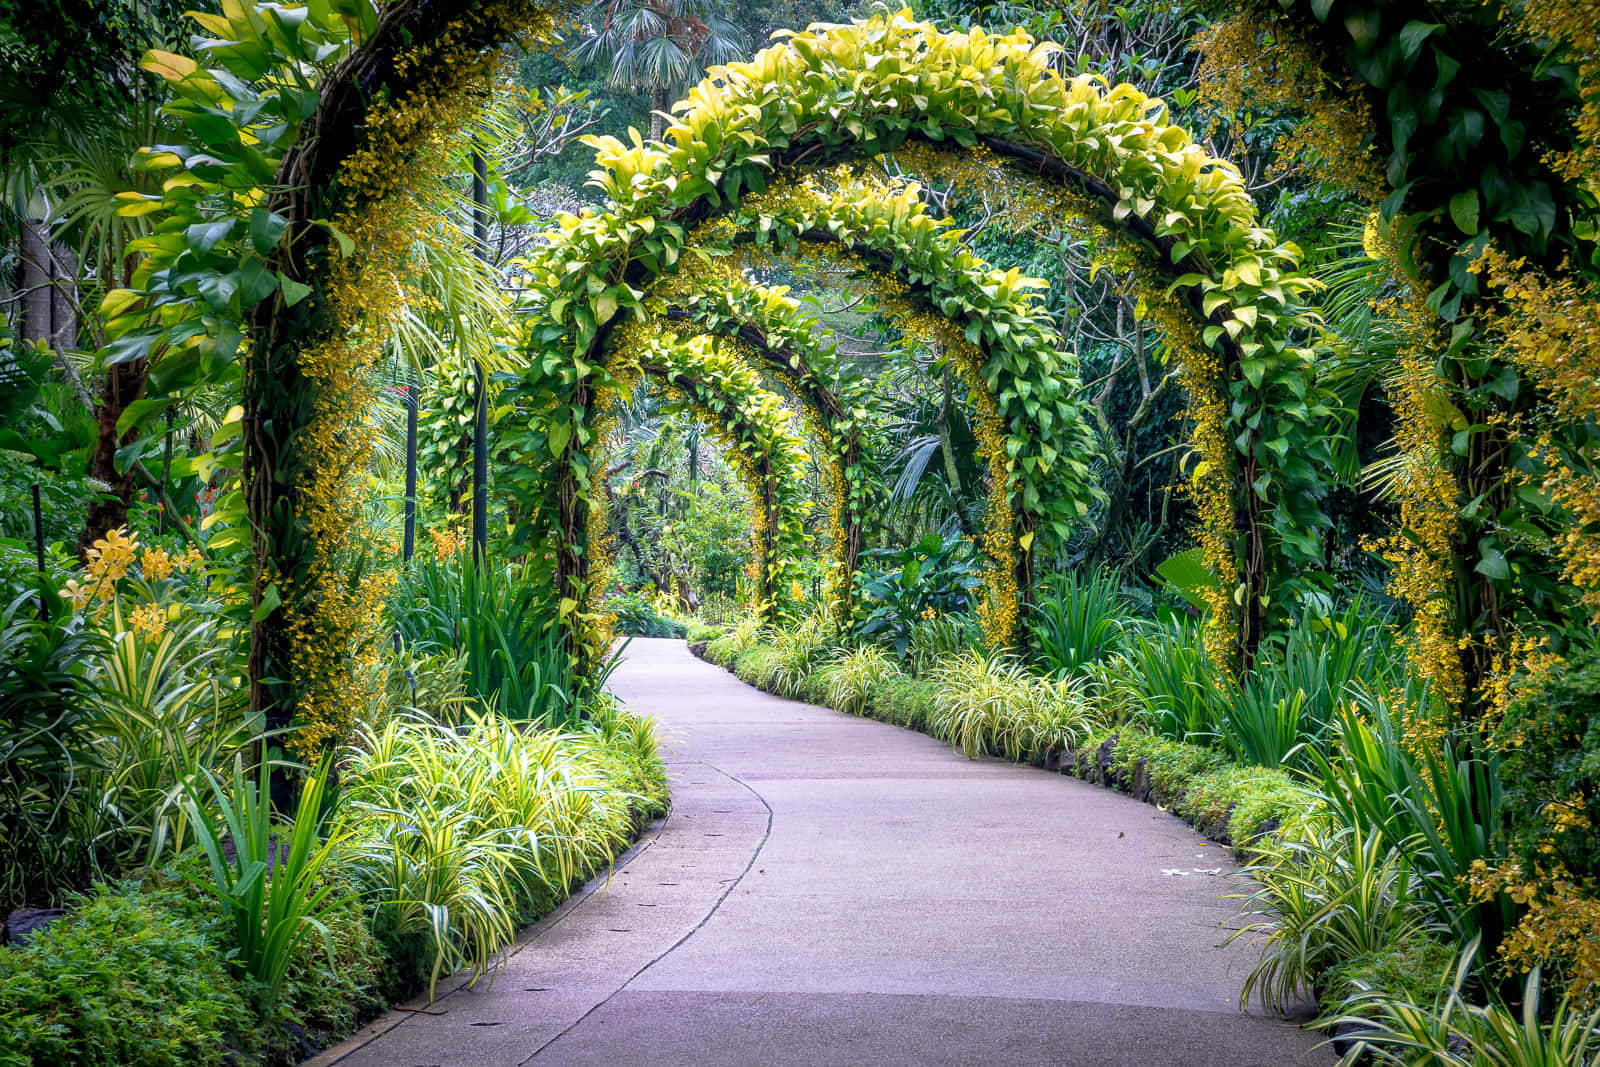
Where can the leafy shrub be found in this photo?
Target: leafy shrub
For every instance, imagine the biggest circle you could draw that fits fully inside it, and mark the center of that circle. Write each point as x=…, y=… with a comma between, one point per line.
x=1413, y=968
x=634, y=614
x=1550, y=744
x=1332, y=896
x=1171, y=766
x=849, y=679
x=743, y=635
x=1238, y=802
x=904, y=701
x=458, y=834
x=62, y=499
x=936, y=576
x=49, y=820
x=1076, y=620
x=993, y=703
x=630, y=744
x=130, y=977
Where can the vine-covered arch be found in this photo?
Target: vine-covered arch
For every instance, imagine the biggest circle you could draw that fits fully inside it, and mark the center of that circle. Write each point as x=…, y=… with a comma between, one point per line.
x=729, y=398
x=779, y=336
x=1036, y=435
x=853, y=91
x=307, y=133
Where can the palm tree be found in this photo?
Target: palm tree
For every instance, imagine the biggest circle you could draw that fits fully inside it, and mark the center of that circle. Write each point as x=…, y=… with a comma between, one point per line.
x=658, y=46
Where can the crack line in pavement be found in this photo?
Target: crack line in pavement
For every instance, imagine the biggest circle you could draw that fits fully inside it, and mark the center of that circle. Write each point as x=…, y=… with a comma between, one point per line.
x=697, y=926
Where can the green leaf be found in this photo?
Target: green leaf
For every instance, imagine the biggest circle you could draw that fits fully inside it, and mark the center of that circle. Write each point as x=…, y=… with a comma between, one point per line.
x=1493, y=565
x=1413, y=34
x=140, y=410
x=266, y=227
x=293, y=291
x=270, y=600
x=1464, y=211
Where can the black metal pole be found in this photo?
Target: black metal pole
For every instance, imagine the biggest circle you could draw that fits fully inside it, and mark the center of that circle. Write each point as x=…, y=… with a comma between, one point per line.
x=38, y=550
x=480, y=426
x=411, y=469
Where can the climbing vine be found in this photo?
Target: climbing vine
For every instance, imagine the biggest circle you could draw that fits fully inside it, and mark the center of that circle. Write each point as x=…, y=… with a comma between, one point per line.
x=863, y=89
x=308, y=164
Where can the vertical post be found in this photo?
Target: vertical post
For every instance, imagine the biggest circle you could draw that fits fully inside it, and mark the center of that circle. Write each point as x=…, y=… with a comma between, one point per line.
x=411, y=469
x=480, y=424
x=38, y=551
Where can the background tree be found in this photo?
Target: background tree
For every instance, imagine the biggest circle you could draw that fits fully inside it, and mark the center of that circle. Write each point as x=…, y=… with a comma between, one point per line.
x=658, y=46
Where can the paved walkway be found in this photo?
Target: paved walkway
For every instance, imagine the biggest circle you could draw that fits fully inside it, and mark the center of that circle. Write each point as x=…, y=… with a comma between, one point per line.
x=832, y=890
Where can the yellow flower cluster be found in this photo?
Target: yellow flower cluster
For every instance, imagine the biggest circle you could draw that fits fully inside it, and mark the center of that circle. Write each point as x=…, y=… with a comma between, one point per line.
x=392, y=190
x=449, y=542
x=149, y=620
x=1248, y=67
x=1552, y=336
x=1561, y=926
x=1576, y=25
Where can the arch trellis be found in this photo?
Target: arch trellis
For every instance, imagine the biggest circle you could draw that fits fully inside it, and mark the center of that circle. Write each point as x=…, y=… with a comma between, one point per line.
x=1016, y=369
x=728, y=396
x=314, y=127
x=772, y=328
x=858, y=90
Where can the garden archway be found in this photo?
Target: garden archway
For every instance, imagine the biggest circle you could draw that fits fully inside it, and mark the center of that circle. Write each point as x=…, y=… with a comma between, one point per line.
x=853, y=91
x=405, y=82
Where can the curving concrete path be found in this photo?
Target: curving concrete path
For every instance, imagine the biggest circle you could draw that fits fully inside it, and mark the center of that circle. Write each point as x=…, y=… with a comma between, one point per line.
x=832, y=890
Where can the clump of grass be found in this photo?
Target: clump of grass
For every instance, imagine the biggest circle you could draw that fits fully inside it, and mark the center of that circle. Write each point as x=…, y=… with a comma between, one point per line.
x=785, y=657
x=734, y=641
x=456, y=833
x=990, y=702
x=850, y=677
x=1329, y=896
x=1451, y=1031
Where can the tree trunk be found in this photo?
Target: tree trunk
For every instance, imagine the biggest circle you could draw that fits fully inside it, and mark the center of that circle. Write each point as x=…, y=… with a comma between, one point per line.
x=63, y=298
x=125, y=383
x=35, y=324
x=660, y=102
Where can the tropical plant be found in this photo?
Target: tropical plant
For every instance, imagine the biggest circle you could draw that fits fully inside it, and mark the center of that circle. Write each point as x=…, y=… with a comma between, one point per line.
x=936, y=576
x=457, y=834
x=658, y=46
x=1454, y=1032
x=935, y=639
x=787, y=656
x=169, y=707
x=1076, y=620
x=269, y=879
x=1167, y=676
x=637, y=615
x=991, y=702
x=848, y=679
x=1442, y=808
x=500, y=621
x=1332, y=894
x=744, y=634
x=50, y=821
